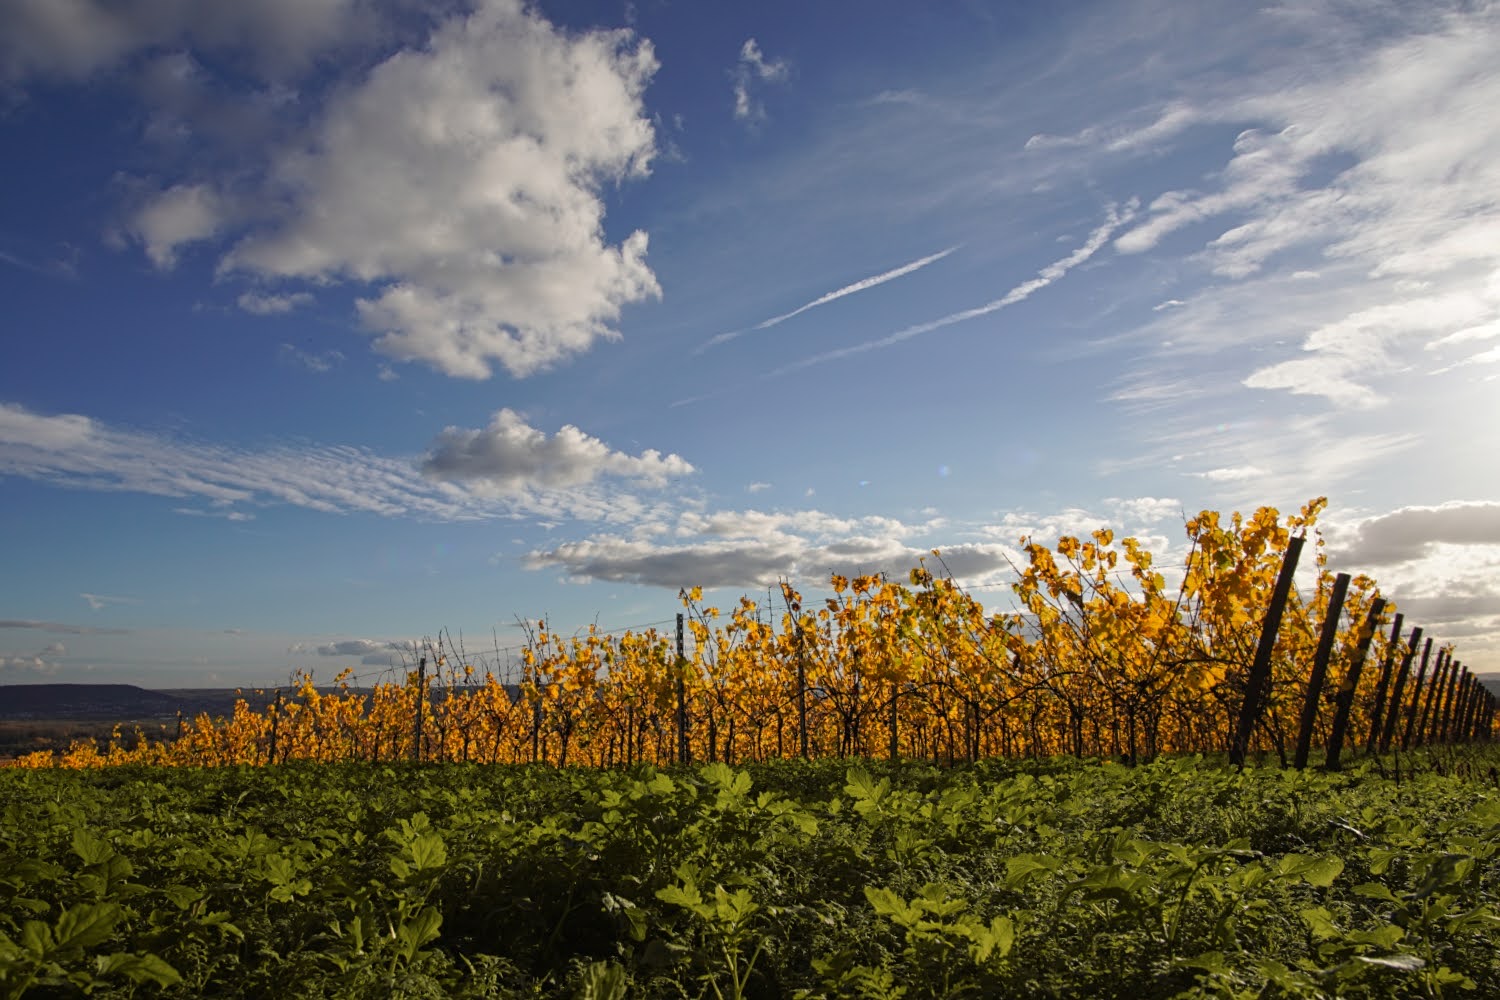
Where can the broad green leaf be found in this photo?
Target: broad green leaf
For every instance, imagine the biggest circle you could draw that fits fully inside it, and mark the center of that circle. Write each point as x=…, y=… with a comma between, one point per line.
x=888, y=904
x=1445, y=870
x=1374, y=890
x=1209, y=961
x=1019, y=869
x=278, y=868
x=602, y=981
x=1323, y=871
x=36, y=937
x=1003, y=934
x=1320, y=922
x=686, y=895
x=86, y=925
x=428, y=851
x=423, y=927
x=634, y=916
x=90, y=849
x=139, y=968
x=718, y=774
x=733, y=907
x=1386, y=936
x=863, y=787
x=182, y=896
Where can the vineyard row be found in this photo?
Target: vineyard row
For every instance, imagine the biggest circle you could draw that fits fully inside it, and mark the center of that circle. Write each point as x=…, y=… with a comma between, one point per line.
x=1102, y=657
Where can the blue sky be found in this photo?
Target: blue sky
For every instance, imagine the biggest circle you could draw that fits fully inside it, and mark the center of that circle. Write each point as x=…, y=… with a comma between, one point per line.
x=328, y=325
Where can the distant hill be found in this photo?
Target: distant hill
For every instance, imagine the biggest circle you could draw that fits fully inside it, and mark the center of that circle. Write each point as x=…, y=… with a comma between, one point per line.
x=84, y=701
x=124, y=702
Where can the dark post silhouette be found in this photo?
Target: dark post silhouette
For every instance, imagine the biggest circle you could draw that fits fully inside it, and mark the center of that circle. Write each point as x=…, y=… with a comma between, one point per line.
x=1393, y=713
x=1344, y=700
x=1382, y=686
x=1320, y=668
x=682, y=729
x=416, y=752
x=1258, y=683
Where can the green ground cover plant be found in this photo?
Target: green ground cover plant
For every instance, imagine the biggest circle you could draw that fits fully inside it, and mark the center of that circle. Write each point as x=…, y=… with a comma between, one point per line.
x=1060, y=878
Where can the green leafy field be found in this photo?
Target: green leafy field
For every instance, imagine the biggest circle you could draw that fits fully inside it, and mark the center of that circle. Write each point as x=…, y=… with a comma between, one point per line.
x=1058, y=879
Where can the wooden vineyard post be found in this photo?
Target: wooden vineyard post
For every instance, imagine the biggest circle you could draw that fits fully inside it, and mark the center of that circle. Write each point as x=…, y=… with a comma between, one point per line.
x=801, y=694
x=1344, y=701
x=1393, y=712
x=1460, y=705
x=275, y=721
x=1383, y=686
x=1441, y=722
x=536, y=726
x=682, y=730
x=1320, y=668
x=895, y=747
x=1460, y=728
x=416, y=753
x=629, y=733
x=1259, y=681
x=1409, y=733
x=1476, y=712
x=1478, y=730
x=1439, y=678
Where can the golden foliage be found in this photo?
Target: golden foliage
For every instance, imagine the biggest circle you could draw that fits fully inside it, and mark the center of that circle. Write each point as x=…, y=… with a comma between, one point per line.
x=1102, y=655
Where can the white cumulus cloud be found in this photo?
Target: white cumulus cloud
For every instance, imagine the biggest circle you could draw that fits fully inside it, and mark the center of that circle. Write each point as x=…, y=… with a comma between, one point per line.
x=184, y=214
x=462, y=181
x=510, y=456
x=1411, y=532
x=71, y=39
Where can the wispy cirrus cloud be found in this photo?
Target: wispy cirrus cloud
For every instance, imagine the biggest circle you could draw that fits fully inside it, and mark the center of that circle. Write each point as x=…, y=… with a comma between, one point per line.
x=861, y=285
x=323, y=361
x=508, y=470
x=226, y=515
x=1332, y=250
x=272, y=304
x=1173, y=119
x=1116, y=217
x=98, y=602
x=60, y=628
x=1396, y=209
x=754, y=68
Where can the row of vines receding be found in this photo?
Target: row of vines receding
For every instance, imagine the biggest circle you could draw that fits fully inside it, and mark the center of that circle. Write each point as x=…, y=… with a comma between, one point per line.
x=1102, y=656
